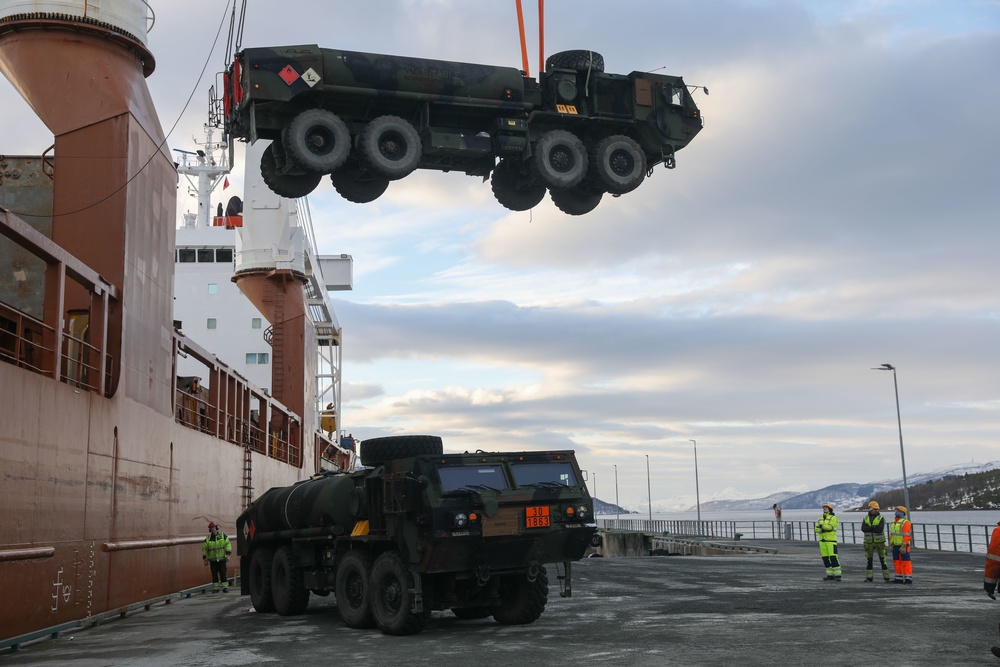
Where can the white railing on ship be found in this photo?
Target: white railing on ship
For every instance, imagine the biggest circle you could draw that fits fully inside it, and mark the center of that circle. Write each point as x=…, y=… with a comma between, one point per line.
x=970, y=538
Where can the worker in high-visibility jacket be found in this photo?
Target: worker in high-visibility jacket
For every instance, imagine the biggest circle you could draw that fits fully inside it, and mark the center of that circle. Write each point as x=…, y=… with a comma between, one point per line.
x=992, y=571
x=215, y=551
x=873, y=528
x=901, y=539
x=826, y=530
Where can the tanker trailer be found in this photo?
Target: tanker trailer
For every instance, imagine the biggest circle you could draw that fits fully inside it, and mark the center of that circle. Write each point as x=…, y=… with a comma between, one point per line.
x=416, y=531
x=367, y=119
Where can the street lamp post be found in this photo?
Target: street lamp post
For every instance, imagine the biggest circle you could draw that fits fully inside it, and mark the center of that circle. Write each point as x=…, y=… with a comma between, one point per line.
x=618, y=515
x=697, y=492
x=649, y=493
x=899, y=423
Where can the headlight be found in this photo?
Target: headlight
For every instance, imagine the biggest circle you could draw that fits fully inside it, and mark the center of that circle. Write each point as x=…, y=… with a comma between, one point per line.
x=461, y=520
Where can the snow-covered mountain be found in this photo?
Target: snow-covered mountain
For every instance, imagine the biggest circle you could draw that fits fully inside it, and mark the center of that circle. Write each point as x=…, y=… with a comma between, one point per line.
x=846, y=495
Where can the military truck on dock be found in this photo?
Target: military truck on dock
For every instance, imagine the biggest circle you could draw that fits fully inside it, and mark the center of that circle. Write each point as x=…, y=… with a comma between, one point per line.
x=367, y=119
x=418, y=530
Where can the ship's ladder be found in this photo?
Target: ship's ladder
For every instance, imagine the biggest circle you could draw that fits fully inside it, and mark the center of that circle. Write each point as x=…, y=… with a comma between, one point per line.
x=247, y=476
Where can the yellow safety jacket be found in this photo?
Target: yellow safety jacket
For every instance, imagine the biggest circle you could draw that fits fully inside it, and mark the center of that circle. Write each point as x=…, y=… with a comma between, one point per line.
x=873, y=529
x=900, y=532
x=826, y=528
x=216, y=547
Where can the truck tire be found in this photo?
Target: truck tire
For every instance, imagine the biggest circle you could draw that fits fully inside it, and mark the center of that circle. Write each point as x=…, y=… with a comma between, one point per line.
x=260, y=580
x=513, y=189
x=390, y=147
x=560, y=159
x=392, y=597
x=318, y=140
x=522, y=601
x=291, y=597
x=354, y=186
x=576, y=201
x=618, y=164
x=352, y=586
x=581, y=61
x=292, y=186
x=376, y=451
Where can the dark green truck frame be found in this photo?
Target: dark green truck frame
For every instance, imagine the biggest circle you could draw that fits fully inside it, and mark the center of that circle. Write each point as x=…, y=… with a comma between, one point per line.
x=368, y=119
x=432, y=531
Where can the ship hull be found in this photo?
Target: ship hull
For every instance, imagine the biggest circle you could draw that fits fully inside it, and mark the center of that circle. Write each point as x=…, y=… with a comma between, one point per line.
x=106, y=502
x=111, y=472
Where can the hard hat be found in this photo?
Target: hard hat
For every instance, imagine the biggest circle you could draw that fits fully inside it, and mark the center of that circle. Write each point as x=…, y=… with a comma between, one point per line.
x=212, y=525
x=828, y=505
x=873, y=506
x=901, y=509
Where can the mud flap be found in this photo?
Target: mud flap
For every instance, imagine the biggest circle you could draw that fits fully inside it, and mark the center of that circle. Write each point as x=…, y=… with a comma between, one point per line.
x=565, y=579
x=418, y=593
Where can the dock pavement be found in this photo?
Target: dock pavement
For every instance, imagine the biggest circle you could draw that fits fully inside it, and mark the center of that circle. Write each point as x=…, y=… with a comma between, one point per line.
x=744, y=609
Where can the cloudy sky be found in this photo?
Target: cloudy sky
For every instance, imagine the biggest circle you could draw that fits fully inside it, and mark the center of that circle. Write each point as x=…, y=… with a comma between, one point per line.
x=838, y=211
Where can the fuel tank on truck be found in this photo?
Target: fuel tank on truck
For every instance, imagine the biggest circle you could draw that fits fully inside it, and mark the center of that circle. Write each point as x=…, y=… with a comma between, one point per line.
x=313, y=503
x=367, y=75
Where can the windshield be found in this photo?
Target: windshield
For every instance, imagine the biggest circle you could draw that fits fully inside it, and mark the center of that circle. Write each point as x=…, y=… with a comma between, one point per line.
x=526, y=474
x=491, y=476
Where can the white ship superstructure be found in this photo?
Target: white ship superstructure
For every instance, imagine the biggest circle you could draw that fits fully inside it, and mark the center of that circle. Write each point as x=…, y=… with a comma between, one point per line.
x=212, y=244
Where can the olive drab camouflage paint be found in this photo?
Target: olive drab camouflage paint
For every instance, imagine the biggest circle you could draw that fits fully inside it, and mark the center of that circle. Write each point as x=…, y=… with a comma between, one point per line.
x=420, y=530
x=367, y=119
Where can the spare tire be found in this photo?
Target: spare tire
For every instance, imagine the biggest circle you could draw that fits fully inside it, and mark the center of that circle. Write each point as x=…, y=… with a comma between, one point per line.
x=581, y=61
x=376, y=451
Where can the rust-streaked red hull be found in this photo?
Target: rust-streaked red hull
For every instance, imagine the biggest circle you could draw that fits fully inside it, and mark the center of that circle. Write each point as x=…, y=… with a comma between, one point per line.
x=106, y=488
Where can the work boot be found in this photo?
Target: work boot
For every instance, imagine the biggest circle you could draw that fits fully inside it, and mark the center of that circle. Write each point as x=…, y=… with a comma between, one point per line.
x=837, y=578
x=828, y=577
x=908, y=581
x=995, y=651
x=869, y=579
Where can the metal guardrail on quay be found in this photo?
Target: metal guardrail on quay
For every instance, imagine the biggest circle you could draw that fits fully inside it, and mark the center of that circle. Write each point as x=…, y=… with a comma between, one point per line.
x=940, y=536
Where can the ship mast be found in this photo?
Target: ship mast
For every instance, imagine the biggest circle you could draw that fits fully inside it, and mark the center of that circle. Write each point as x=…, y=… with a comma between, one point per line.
x=208, y=165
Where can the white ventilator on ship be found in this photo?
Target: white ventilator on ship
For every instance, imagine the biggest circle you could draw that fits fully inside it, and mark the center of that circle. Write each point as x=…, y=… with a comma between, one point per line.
x=235, y=264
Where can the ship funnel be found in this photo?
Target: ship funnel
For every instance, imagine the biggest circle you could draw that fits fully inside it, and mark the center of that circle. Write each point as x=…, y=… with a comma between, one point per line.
x=125, y=22
x=81, y=66
x=131, y=18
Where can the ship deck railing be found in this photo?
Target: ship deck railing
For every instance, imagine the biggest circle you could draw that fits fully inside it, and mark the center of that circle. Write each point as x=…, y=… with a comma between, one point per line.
x=969, y=538
x=69, y=346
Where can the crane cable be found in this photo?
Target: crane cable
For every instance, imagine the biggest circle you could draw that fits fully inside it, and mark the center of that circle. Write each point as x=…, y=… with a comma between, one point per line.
x=541, y=38
x=235, y=41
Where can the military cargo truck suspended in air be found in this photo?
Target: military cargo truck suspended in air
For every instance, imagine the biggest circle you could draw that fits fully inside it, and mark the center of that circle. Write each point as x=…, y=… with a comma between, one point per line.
x=418, y=531
x=367, y=119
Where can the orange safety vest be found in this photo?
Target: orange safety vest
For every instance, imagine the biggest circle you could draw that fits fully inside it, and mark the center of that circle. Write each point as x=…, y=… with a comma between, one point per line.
x=900, y=532
x=992, y=572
